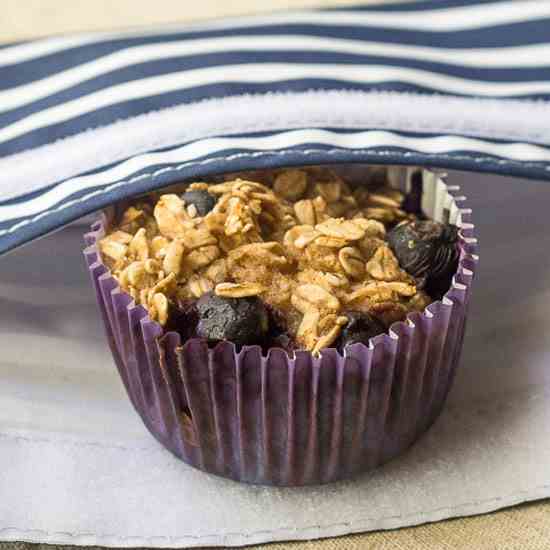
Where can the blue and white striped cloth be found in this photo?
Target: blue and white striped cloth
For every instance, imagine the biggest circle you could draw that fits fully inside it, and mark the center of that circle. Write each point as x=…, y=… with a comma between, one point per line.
x=92, y=118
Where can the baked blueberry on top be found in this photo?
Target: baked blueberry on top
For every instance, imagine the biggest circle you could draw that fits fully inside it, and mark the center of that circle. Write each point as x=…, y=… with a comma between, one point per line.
x=361, y=327
x=295, y=258
x=240, y=320
x=428, y=251
x=199, y=199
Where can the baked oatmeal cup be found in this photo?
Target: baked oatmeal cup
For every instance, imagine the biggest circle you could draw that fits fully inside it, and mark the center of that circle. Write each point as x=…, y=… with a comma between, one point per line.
x=291, y=326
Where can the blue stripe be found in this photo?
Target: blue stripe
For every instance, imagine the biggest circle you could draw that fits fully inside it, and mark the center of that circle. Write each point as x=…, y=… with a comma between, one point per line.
x=532, y=32
x=177, y=64
x=30, y=196
x=502, y=36
x=412, y=6
x=43, y=191
x=265, y=133
x=107, y=115
x=5, y=45
x=294, y=156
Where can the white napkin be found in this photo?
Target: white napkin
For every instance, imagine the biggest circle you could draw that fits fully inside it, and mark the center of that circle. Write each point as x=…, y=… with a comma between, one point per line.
x=77, y=467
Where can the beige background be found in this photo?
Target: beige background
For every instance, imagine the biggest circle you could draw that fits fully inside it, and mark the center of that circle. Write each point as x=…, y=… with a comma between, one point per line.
x=525, y=527
x=31, y=18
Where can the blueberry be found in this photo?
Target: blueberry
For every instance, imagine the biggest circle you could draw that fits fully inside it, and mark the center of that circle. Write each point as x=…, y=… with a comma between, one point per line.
x=361, y=327
x=202, y=200
x=243, y=321
x=427, y=250
x=182, y=318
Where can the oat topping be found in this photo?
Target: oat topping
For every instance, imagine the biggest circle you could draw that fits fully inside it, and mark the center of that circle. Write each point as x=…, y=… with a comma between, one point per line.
x=304, y=241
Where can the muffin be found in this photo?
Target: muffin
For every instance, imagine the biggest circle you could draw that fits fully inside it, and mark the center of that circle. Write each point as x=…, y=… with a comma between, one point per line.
x=291, y=326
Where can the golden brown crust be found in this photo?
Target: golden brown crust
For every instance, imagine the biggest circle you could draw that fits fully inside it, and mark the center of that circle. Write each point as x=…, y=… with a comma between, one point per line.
x=301, y=239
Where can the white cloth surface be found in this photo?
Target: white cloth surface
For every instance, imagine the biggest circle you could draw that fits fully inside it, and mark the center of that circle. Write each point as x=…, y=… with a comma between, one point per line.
x=77, y=466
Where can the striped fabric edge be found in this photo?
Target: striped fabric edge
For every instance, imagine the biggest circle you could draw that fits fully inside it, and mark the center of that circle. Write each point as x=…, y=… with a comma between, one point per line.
x=89, y=119
x=132, y=98
x=84, y=194
x=429, y=15
x=518, y=57
x=497, y=49
x=33, y=171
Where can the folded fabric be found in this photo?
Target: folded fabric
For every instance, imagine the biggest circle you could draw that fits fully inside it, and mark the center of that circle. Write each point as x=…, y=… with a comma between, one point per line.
x=78, y=467
x=88, y=119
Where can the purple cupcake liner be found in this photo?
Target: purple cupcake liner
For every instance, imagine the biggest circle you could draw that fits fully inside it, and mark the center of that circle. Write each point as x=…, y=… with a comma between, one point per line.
x=280, y=420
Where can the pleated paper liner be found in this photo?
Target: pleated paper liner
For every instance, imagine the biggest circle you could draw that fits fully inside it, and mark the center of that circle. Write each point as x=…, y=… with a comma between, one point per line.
x=280, y=420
